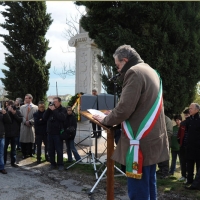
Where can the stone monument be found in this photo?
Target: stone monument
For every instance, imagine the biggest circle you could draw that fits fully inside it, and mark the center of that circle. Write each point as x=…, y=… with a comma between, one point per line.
x=88, y=70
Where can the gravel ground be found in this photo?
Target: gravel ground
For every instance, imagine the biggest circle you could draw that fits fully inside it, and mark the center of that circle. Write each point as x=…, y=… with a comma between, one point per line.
x=36, y=182
x=31, y=181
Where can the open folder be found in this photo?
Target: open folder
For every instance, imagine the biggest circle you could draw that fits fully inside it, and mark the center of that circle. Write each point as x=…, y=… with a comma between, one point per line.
x=96, y=112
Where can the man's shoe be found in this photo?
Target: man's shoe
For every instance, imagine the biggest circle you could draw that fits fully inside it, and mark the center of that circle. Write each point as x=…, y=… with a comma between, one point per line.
x=47, y=158
x=38, y=161
x=191, y=188
x=80, y=161
x=182, y=178
x=185, y=181
x=52, y=167
x=188, y=183
x=158, y=172
x=164, y=177
x=69, y=161
x=3, y=171
x=14, y=165
x=171, y=173
x=61, y=168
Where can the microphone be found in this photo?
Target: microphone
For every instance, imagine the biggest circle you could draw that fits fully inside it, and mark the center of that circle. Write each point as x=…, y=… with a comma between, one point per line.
x=114, y=77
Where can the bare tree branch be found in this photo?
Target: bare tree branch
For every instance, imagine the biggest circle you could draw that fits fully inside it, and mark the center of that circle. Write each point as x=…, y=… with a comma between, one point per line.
x=68, y=50
x=66, y=71
x=72, y=29
x=72, y=23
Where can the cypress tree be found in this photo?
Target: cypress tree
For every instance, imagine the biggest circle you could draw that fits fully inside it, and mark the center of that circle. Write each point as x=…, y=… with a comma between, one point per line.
x=165, y=34
x=27, y=70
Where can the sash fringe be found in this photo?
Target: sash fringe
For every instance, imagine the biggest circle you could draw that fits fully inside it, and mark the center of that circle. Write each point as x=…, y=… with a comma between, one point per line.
x=131, y=175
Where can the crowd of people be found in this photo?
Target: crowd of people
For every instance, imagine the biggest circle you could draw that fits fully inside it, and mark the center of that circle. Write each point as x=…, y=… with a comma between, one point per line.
x=25, y=126
x=184, y=143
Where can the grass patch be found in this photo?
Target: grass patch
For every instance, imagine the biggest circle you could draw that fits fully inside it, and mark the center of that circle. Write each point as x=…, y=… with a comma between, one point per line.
x=122, y=180
x=172, y=184
x=81, y=168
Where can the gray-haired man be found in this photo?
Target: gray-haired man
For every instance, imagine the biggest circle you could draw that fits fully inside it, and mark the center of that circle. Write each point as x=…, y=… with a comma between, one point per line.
x=193, y=141
x=143, y=141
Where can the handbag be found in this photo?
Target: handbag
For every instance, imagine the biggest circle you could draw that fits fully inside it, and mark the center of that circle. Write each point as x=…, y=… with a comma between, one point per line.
x=68, y=133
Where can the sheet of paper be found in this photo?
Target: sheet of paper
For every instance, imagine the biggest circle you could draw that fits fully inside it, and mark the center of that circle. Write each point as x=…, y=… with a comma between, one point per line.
x=95, y=112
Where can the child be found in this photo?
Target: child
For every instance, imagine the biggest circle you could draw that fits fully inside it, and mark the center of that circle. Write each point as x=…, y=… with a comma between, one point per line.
x=175, y=146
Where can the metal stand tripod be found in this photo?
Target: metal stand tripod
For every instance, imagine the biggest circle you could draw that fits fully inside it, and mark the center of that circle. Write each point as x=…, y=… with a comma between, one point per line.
x=92, y=159
x=101, y=177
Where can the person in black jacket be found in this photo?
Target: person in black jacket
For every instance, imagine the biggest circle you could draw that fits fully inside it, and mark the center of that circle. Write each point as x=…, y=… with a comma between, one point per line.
x=193, y=141
x=96, y=133
x=40, y=131
x=4, y=118
x=55, y=116
x=71, y=121
x=18, y=102
x=12, y=131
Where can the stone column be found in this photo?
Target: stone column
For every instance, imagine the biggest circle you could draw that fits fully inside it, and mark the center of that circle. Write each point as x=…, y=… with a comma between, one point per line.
x=88, y=70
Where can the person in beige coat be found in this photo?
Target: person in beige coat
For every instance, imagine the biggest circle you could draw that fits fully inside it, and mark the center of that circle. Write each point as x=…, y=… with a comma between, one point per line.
x=143, y=142
x=27, y=131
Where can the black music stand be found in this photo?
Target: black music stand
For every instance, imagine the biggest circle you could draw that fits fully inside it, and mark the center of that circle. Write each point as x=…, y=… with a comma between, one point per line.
x=114, y=79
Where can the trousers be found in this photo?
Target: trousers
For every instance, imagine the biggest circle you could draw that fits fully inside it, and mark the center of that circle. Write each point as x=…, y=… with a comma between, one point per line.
x=145, y=188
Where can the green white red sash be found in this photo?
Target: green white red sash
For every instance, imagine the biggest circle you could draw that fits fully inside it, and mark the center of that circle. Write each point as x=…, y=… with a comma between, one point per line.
x=134, y=157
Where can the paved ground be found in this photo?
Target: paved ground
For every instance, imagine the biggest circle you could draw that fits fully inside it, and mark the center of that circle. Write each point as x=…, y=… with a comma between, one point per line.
x=21, y=184
x=31, y=181
x=35, y=182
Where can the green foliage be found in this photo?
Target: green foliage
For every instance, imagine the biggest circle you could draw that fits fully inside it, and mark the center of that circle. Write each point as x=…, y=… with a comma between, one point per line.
x=72, y=102
x=27, y=71
x=165, y=34
x=197, y=95
x=197, y=99
x=73, y=99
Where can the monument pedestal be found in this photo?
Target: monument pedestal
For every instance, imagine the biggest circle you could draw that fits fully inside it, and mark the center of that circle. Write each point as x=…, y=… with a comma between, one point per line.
x=83, y=131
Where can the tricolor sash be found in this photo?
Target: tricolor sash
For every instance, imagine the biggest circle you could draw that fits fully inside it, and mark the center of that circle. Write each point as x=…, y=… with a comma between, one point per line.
x=134, y=157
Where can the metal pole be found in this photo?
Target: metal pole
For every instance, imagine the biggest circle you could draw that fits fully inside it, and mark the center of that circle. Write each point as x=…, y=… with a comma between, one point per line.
x=56, y=89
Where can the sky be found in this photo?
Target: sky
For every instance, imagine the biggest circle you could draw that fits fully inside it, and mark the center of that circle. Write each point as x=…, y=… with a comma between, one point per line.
x=60, y=53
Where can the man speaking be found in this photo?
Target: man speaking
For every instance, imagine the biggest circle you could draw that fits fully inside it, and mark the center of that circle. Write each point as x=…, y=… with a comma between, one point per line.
x=140, y=110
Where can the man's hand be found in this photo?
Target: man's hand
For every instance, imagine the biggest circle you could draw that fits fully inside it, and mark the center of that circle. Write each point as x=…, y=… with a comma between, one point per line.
x=107, y=112
x=11, y=110
x=98, y=117
x=3, y=111
x=27, y=123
